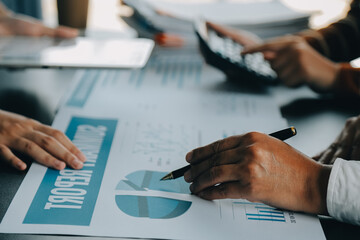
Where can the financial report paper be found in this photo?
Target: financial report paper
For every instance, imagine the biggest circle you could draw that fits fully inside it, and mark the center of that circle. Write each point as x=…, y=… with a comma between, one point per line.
x=172, y=87
x=118, y=193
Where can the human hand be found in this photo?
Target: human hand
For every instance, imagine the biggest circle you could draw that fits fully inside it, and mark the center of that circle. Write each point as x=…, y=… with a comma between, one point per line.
x=346, y=145
x=12, y=25
x=243, y=37
x=258, y=168
x=296, y=62
x=44, y=144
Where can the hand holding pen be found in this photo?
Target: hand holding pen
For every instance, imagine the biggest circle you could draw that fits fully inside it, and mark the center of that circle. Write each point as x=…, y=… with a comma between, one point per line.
x=259, y=168
x=281, y=135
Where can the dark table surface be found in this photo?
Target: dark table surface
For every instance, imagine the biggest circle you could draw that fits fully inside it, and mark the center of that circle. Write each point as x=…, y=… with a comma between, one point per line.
x=36, y=93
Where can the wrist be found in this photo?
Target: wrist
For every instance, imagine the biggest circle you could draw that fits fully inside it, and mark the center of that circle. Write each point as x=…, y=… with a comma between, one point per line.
x=334, y=71
x=316, y=185
x=327, y=77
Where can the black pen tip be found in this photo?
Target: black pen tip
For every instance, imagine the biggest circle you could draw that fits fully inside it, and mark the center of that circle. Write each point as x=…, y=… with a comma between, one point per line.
x=167, y=177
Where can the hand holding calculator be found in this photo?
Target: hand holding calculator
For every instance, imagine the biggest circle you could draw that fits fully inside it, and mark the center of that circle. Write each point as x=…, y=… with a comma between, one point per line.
x=225, y=54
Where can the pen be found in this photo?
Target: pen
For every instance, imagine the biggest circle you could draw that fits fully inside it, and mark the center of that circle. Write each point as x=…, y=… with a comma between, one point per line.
x=281, y=135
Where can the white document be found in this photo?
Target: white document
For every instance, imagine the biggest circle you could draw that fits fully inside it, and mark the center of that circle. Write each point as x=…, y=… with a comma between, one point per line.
x=79, y=52
x=265, y=18
x=172, y=86
x=230, y=12
x=118, y=193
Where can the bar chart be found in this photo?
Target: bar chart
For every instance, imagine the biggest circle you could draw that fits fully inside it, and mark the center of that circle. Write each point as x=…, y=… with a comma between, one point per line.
x=259, y=212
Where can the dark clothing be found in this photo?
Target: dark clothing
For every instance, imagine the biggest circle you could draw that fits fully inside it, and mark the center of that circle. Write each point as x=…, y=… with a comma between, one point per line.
x=340, y=42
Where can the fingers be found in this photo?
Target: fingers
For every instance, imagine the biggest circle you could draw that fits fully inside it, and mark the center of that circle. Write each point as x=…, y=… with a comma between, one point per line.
x=273, y=45
x=8, y=156
x=24, y=25
x=32, y=27
x=44, y=31
x=66, y=32
x=334, y=151
x=269, y=56
x=328, y=154
x=268, y=46
x=33, y=150
x=231, y=190
x=61, y=138
x=44, y=144
x=318, y=156
x=199, y=154
x=279, y=61
x=223, y=158
x=343, y=145
x=55, y=148
x=286, y=69
x=243, y=37
x=222, y=30
x=219, y=174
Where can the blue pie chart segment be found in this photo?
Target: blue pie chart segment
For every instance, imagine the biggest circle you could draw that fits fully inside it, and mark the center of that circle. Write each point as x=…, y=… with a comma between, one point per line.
x=151, y=206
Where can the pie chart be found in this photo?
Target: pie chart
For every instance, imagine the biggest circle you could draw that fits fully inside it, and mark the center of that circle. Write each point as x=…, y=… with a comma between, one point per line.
x=154, y=207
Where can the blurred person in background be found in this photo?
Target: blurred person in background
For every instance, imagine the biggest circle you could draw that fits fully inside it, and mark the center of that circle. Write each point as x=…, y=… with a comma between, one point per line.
x=317, y=58
x=42, y=143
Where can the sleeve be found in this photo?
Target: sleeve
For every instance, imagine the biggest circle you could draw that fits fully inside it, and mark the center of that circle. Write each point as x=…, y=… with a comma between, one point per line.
x=348, y=80
x=343, y=196
x=340, y=40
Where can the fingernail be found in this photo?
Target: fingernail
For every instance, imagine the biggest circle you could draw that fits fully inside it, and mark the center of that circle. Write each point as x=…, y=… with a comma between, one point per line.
x=60, y=165
x=187, y=176
x=77, y=164
x=81, y=157
x=21, y=166
x=189, y=156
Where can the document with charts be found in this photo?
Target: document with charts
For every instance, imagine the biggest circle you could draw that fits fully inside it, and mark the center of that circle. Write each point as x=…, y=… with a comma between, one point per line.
x=172, y=86
x=118, y=193
x=134, y=127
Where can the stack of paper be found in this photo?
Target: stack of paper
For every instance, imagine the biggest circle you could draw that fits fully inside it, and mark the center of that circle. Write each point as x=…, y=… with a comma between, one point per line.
x=264, y=18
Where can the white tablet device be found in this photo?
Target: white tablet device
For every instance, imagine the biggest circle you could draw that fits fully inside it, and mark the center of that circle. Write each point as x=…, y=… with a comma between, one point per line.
x=74, y=53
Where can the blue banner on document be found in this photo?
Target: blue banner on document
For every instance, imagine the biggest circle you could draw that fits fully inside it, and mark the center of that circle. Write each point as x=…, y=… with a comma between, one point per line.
x=68, y=197
x=84, y=88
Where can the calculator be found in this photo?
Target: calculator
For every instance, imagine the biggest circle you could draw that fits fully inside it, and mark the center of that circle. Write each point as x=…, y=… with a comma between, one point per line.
x=225, y=54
